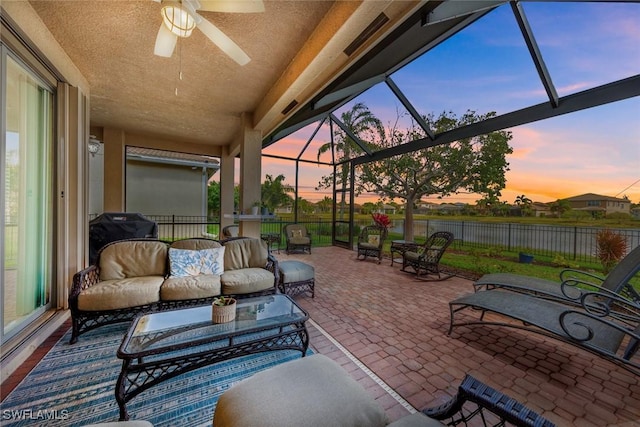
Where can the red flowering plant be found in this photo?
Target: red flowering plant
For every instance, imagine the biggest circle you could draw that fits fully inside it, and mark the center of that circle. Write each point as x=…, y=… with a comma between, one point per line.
x=381, y=219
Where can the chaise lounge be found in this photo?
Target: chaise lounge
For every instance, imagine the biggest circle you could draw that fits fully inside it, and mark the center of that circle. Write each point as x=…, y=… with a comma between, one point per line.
x=609, y=329
x=573, y=283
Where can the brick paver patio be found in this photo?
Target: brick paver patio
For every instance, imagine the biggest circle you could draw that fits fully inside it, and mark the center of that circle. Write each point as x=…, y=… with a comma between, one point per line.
x=397, y=327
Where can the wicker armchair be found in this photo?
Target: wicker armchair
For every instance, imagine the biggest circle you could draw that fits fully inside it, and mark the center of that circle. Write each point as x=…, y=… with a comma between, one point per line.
x=297, y=237
x=425, y=260
x=370, y=242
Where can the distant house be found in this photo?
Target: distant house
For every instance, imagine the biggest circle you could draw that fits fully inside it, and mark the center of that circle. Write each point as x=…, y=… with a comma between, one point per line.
x=389, y=209
x=597, y=203
x=426, y=208
x=540, y=209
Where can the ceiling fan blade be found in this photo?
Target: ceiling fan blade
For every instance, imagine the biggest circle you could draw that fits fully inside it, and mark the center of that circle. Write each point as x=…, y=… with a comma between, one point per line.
x=232, y=6
x=165, y=42
x=221, y=40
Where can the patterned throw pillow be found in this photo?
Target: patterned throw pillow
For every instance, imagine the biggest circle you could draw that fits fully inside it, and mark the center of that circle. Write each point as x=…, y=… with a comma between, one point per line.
x=186, y=262
x=296, y=233
x=374, y=240
x=212, y=261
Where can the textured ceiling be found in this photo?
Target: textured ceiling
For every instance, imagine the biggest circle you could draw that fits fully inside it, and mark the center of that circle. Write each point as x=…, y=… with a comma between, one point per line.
x=111, y=43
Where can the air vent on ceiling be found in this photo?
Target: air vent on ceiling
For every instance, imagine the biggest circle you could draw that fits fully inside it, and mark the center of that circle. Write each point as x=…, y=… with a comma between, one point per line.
x=290, y=106
x=368, y=32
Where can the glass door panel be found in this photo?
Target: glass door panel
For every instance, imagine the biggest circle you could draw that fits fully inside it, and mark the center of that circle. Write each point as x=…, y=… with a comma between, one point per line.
x=26, y=196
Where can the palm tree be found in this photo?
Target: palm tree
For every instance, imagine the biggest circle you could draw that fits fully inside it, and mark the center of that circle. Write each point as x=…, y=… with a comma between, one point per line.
x=275, y=193
x=360, y=121
x=524, y=203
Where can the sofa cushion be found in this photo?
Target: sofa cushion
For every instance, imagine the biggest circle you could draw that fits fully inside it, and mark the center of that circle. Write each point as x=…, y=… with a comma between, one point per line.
x=313, y=391
x=245, y=253
x=191, y=287
x=124, y=259
x=121, y=293
x=186, y=262
x=196, y=244
x=246, y=280
x=295, y=271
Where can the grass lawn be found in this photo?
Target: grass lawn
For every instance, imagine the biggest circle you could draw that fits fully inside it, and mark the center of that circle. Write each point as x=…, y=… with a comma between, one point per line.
x=474, y=265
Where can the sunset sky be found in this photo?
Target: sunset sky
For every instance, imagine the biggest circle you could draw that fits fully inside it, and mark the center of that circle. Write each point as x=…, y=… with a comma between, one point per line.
x=487, y=67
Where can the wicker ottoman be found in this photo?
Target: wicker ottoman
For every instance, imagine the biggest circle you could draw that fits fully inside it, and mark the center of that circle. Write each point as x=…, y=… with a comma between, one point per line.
x=296, y=277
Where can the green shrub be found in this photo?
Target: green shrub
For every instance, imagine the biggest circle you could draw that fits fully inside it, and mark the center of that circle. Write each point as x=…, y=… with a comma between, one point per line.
x=621, y=216
x=560, y=261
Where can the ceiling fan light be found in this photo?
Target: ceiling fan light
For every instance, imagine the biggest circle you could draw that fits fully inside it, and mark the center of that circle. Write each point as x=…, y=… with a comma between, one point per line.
x=178, y=20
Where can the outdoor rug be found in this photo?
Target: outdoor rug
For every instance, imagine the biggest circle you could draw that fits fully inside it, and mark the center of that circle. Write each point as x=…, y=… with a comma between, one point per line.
x=74, y=385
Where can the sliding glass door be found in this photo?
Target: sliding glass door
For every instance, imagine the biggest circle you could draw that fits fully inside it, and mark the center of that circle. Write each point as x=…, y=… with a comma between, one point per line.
x=25, y=196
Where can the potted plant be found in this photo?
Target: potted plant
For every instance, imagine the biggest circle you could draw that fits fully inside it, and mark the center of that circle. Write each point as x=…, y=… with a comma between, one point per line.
x=525, y=258
x=255, y=208
x=381, y=219
x=223, y=309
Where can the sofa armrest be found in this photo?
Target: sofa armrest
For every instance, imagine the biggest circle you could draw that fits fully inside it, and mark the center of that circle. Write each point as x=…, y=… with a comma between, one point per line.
x=272, y=266
x=82, y=280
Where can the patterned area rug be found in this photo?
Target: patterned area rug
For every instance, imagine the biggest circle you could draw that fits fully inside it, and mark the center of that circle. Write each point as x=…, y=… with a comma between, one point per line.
x=74, y=385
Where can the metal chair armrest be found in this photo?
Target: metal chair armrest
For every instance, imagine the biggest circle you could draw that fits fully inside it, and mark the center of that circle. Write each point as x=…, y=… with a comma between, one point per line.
x=486, y=398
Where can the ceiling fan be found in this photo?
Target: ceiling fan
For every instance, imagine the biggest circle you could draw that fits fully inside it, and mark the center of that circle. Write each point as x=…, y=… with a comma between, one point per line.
x=180, y=18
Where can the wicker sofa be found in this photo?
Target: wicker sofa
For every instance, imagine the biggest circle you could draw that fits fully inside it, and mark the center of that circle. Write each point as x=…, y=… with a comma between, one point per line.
x=139, y=275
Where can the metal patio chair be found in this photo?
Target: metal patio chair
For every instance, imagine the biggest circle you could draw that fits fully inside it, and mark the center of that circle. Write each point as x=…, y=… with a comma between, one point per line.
x=370, y=242
x=425, y=260
x=297, y=237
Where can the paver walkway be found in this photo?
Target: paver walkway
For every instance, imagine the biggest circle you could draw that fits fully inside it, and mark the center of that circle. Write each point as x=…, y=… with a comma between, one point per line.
x=397, y=327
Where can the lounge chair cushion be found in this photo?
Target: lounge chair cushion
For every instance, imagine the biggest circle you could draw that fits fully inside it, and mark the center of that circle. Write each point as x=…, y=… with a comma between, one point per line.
x=121, y=293
x=246, y=280
x=366, y=245
x=133, y=259
x=191, y=287
x=299, y=240
x=313, y=391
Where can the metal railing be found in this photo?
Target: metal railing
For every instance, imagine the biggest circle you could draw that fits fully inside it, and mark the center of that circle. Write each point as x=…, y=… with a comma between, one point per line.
x=571, y=242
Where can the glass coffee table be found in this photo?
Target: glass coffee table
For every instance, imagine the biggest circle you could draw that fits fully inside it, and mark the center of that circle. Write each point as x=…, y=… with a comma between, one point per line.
x=165, y=344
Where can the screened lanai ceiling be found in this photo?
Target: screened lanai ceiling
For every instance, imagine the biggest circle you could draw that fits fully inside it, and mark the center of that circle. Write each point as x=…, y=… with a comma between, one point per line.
x=399, y=71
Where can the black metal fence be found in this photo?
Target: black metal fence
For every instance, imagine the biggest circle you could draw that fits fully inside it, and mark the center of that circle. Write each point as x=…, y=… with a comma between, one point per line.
x=570, y=242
